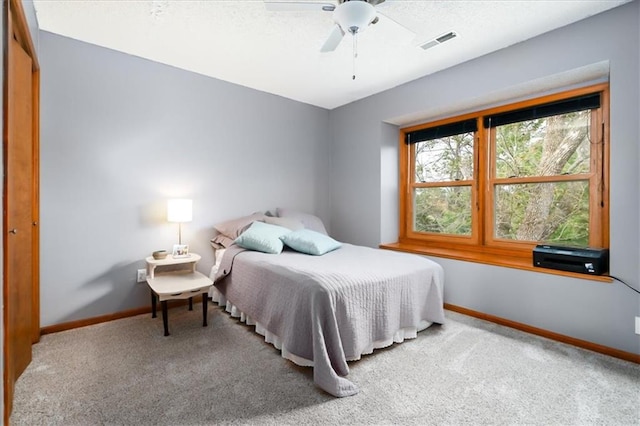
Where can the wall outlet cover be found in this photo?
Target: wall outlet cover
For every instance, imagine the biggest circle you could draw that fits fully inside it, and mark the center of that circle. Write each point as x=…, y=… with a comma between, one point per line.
x=637, y=325
x=142, y=275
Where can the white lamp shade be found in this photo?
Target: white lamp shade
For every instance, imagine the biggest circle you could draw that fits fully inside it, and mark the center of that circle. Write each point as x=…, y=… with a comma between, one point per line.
x=179, y=210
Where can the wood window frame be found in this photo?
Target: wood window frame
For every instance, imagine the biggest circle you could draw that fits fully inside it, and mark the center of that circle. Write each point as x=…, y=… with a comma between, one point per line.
x=481, y=246
x=407, y=156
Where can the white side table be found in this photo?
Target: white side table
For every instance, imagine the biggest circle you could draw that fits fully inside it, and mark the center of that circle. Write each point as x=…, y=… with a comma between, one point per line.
x=176, y=284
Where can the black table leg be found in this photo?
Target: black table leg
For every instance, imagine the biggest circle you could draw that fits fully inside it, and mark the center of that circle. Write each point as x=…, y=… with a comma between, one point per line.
x=153, y=304
x=205, y=300
x=191, y=303
x=165, y=317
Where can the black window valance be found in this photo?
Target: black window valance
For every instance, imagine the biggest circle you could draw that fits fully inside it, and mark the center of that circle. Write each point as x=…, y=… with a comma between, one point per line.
x=443, y=131
x=564, y=106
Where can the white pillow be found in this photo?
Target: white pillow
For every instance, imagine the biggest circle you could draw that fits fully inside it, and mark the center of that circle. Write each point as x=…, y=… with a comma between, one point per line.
x=263, y=237
x=310, y=242
x=308, y=220
x=286, y=222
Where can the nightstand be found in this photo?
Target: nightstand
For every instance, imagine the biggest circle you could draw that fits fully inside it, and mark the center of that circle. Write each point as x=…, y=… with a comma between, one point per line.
x=176, y=278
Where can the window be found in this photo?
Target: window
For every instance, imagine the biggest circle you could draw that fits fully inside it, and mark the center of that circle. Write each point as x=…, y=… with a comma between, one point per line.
x=500, y=181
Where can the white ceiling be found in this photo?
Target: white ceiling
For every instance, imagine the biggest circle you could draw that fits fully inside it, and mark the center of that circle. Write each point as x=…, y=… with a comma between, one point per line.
x=279, y=52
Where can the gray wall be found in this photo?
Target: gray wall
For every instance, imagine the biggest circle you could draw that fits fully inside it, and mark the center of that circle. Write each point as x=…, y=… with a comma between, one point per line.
x=364, y=174
x=32, y=22
x=121, y=134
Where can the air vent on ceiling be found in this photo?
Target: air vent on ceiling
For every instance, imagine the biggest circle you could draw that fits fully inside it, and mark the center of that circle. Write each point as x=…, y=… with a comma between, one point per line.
x=438, y=40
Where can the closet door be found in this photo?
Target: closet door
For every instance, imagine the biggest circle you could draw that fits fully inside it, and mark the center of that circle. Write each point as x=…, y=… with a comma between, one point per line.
x=20, y=224
x=19, y=181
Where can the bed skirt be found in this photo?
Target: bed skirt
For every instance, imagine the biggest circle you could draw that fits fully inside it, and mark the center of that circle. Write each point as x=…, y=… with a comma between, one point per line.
x=398, y=337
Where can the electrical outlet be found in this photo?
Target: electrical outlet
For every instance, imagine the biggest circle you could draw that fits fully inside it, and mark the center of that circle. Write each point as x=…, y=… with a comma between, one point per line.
x=637, y=325
x=142, y=275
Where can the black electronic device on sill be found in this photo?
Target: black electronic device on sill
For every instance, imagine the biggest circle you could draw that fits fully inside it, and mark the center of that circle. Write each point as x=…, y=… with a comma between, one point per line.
x=592, y=261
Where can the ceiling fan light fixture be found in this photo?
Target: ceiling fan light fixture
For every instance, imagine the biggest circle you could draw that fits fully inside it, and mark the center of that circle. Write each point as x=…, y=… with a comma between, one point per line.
x=354, y=16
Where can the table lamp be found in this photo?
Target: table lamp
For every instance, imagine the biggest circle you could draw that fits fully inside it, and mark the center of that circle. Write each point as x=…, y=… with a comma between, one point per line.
x=179, y=210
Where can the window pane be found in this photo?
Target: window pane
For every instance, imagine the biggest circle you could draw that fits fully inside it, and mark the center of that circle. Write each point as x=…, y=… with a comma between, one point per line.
x=445, y=159
x=443, y=210
x=543, y=212
x=544, y=147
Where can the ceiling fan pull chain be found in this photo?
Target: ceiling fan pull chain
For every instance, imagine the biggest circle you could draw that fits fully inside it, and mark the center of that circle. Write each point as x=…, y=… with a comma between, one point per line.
x=355, y=53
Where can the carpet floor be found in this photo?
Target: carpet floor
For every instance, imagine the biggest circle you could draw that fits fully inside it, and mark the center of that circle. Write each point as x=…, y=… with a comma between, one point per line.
x=467, y=371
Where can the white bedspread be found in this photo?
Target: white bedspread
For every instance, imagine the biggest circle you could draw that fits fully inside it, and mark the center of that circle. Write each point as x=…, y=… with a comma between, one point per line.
x=326, y=310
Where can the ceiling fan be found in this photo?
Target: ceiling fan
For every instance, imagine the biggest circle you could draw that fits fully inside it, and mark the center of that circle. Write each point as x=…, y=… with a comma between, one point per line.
x=350, y=16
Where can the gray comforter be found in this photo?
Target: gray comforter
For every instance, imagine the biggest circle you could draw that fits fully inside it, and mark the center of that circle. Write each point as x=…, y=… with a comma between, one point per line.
x=333, y=308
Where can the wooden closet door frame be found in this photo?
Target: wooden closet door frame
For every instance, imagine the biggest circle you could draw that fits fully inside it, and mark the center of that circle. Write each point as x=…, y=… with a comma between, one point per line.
x=15, y=23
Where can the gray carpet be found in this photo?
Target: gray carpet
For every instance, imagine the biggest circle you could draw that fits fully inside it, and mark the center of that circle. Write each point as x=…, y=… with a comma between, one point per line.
x=467, y=371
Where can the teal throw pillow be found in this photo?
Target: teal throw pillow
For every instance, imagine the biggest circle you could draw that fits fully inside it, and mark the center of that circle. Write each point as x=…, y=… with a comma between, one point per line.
x=310, y=242
x=263, y=237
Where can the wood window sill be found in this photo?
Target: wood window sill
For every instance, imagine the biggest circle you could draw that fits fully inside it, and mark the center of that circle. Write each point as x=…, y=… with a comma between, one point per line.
x=517, y=262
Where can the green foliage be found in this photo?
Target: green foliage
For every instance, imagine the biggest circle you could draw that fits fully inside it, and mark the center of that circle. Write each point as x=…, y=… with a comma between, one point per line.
x=565, y=221
x=523, y=147
x=445, y=210
x=518, y=150
x=445, y=159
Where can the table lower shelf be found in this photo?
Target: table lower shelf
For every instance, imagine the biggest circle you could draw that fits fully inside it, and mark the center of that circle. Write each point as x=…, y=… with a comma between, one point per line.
x=178, y=285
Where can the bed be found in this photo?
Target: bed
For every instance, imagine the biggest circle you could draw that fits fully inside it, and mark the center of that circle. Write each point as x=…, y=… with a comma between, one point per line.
x=325, y=310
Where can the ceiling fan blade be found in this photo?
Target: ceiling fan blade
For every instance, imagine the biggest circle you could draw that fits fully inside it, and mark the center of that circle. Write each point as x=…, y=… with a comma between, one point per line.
x=299, y=6
x=386, y=17
x=375, y=2
x=334, y=39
